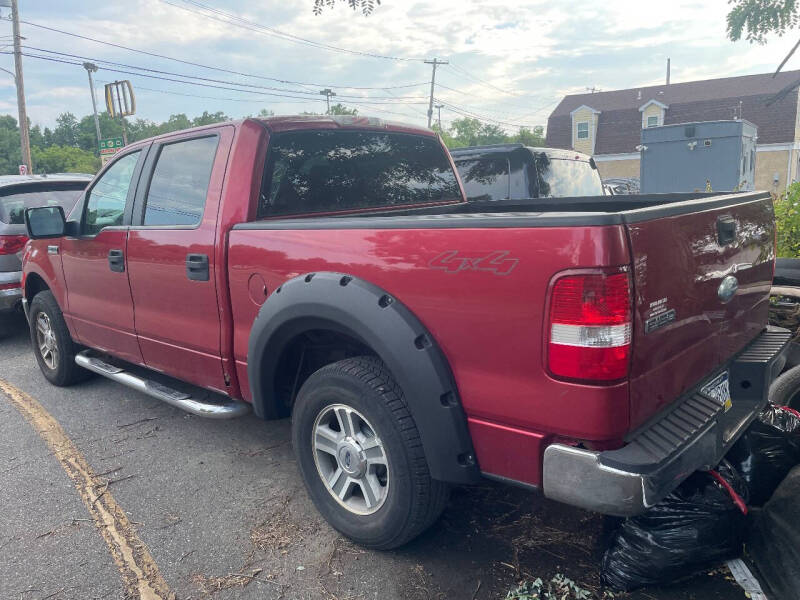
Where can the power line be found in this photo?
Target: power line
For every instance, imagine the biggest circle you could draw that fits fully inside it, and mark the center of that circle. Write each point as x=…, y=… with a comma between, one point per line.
x=468, y=113
x=196, y=77
x=236, y=21
x=248, y=100
x=213, y=68
x=195, y=83
x=477, y=79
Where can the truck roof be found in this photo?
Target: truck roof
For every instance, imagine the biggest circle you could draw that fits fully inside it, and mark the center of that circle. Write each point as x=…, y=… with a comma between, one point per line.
x=504, y=148
x=8, y=180
x=294, y=122
x=299, y=122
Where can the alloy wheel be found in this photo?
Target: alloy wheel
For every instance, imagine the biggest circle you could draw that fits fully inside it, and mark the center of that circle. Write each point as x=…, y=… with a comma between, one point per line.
x=350, y=459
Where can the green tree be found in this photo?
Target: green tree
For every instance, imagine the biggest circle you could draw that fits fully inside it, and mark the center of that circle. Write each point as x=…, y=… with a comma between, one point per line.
x=66, y=131
x=341, y=109
x=366, y=6
x=787, y=222
x=530, y=137
x=9, y=146
x=208, y=118
x=63, y=159
x=754, y=19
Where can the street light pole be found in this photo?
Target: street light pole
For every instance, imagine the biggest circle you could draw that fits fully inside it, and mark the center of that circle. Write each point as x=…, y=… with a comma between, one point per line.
x=439, y=108
x=24, y=135
x=92, y=68
x=327, y=92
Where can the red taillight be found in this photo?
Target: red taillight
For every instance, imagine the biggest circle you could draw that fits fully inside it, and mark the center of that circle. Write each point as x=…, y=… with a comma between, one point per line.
x=11, y=244
x=590, y=326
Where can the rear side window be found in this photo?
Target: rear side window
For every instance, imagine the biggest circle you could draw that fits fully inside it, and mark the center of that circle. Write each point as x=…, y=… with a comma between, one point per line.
x=179, y=186
x=485, y=178
x=329, y=171
x=560, y=177
x=14, y=202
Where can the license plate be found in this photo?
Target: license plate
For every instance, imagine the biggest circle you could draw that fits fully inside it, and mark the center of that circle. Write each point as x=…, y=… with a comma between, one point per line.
x=718, y=390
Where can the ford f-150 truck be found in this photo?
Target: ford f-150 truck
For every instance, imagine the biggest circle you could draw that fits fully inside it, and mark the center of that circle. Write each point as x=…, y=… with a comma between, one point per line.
x=331, y=270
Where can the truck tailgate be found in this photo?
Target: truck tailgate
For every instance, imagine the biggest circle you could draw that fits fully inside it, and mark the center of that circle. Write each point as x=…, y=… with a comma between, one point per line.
x=684, y=326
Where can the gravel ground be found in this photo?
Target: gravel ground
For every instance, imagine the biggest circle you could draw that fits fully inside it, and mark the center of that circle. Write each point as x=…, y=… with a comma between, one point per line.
x=223, y=511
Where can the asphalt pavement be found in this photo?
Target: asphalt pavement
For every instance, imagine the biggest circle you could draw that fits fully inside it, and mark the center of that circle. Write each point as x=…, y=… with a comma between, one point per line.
x=222, y=510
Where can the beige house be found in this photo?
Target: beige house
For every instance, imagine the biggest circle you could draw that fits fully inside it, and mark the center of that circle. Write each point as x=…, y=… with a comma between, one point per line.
x=608, y=125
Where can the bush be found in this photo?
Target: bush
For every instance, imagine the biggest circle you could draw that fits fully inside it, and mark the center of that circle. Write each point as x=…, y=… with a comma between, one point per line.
x=787, y=221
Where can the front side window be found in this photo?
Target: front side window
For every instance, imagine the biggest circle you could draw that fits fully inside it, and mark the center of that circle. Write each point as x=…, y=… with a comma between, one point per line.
x=652, y=121
x=105, y=205
x=328, y=171
x=485, y=178
x=583, y=130
x=179, y=186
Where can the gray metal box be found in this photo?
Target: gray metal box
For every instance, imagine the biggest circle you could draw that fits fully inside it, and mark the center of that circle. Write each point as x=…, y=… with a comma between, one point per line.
x=683, y=157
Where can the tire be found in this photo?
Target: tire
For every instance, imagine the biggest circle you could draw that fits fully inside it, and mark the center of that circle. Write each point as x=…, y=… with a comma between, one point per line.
x=405, y=500
x=57, y=365
x=785, y=390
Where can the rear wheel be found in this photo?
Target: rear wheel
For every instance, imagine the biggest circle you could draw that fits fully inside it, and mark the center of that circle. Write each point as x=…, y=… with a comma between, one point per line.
x=54, y=349
x=361, y=456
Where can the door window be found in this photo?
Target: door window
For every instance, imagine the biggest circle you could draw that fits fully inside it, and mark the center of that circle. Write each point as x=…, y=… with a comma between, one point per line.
x=105, y=206
x=179, y=186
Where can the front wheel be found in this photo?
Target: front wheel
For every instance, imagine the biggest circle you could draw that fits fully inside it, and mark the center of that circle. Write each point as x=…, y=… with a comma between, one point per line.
x=361, y=456
x=52, y=343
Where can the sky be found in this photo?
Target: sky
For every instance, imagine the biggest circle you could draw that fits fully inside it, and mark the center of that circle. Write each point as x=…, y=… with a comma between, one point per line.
x=509, y=62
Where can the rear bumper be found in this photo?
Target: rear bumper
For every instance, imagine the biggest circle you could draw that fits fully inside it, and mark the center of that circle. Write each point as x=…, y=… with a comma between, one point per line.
x=10, y=297
x=693, y=434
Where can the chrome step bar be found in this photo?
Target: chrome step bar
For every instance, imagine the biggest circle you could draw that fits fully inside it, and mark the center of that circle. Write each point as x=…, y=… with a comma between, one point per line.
x=228, y=409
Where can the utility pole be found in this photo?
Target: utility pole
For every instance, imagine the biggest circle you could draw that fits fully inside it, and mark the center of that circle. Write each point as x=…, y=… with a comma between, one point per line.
x=439, y=108
x=24, y=135
x=92, y=68
x=328, y=92
x=433, y=62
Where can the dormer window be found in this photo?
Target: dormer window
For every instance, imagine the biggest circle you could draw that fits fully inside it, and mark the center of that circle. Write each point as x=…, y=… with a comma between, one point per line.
x=584, y=128
x=653, y=113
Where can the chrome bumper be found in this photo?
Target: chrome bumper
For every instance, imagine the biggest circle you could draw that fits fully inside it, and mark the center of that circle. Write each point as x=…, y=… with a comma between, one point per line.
x=693, y=434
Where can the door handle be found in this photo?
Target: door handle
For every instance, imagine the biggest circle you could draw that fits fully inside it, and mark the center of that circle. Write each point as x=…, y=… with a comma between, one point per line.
x=197, y=267
x=116, y=261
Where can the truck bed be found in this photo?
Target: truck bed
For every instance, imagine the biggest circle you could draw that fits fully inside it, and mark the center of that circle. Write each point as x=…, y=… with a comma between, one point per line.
x=546, y=212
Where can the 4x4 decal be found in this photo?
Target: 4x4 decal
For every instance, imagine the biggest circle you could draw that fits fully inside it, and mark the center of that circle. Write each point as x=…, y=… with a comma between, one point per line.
x=496, y=262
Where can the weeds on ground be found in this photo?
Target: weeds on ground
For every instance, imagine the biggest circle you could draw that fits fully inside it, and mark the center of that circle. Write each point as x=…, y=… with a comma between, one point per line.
x=558, y=588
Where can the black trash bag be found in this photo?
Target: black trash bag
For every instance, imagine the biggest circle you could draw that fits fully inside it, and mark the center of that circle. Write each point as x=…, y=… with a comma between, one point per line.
x=767, y=451
x=695, y=527
x=774, y=540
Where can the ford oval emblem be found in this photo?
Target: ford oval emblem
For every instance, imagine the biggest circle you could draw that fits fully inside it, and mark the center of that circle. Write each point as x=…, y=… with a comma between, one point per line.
x=727, y=288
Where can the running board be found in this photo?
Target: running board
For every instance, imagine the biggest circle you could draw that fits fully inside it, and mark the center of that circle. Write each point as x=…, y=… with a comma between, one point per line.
x=228, y=409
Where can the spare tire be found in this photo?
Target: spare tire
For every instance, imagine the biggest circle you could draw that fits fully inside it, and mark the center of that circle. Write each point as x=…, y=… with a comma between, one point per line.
x=785, y=390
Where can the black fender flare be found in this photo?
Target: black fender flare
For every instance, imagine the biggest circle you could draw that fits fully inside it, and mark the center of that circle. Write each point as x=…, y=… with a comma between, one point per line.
x=367, y=313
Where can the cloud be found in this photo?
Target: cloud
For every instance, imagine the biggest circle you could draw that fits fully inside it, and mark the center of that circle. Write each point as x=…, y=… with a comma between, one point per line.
x=509, y=61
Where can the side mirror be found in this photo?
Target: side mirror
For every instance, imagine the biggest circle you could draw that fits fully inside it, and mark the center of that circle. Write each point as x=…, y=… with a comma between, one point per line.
x=45, y=222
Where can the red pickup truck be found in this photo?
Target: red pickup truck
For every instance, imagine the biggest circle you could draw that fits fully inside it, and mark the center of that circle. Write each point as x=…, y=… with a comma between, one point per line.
x=329, y=269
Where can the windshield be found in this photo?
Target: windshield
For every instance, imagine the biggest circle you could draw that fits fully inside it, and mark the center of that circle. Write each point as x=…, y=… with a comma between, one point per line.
x=560, y=177
x=14, y=203
x=485, y=178
x=329, y=171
